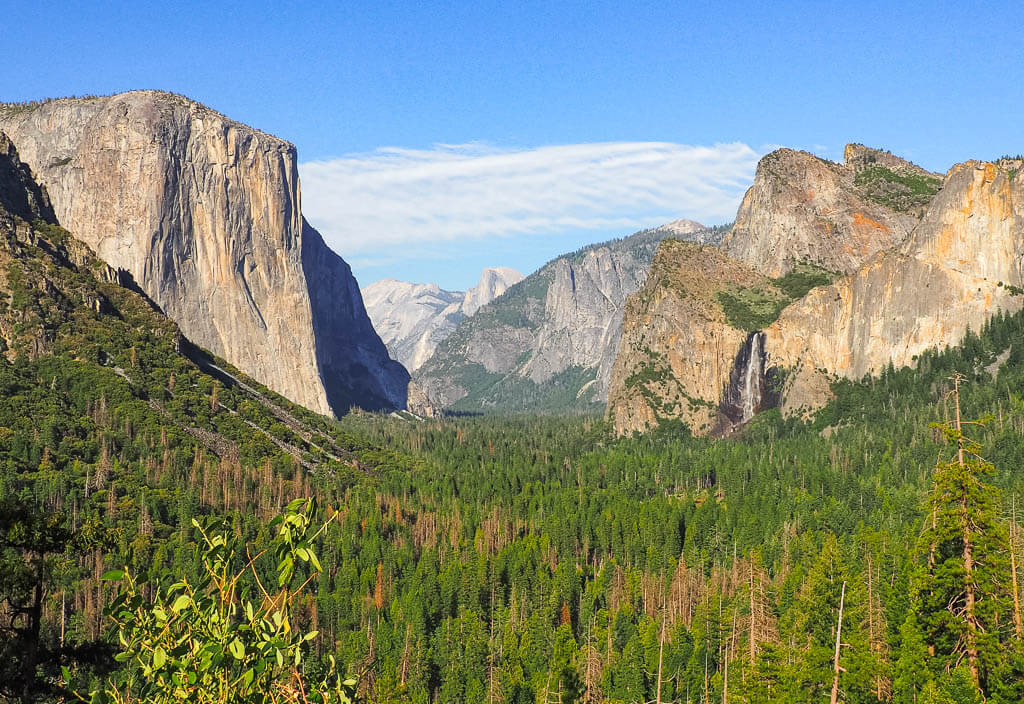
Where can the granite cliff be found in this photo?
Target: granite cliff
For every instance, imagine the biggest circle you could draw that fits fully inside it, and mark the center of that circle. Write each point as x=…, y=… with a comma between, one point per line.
x=549, y=342
x=804, y=209
x=964, y=262
x=204, y=212
x=412, y=319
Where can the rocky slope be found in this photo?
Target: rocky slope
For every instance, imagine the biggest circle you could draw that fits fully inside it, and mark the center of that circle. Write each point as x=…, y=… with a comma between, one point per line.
x=964, y=262
x=549, y=342
x=836, y=216
x=205, y=214
x=412, y=319
x=678, y=343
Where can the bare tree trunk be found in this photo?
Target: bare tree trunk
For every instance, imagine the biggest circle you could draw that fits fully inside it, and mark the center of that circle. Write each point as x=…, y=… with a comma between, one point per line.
x=835, y=662
x=969, y=607
x=1018, y=627
x=753, y=619
x=725, y=662
x=661, y=653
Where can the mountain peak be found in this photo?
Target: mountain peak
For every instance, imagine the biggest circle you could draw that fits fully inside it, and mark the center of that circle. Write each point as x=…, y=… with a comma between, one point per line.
x=412, y=319
x=682, y=227
x=804, y=209
x=494, y=281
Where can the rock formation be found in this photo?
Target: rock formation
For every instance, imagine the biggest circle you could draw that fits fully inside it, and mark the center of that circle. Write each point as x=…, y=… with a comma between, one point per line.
x=20, y=195
x=493, y=282
x=964, y=262
x=802, y=208
x=412, y=319
x=549, y=342
x=205, y=214
x=679, y=349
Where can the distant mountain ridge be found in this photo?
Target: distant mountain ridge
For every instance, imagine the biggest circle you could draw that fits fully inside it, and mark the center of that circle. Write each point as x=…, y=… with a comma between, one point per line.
x=412, y=319
x=548, y=344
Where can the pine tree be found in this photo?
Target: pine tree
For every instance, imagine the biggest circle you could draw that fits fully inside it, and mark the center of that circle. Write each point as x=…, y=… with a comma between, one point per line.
x=962, y=593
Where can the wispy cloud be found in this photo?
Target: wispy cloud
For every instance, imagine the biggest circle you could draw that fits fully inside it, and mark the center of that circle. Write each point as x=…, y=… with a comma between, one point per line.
x=367, y=203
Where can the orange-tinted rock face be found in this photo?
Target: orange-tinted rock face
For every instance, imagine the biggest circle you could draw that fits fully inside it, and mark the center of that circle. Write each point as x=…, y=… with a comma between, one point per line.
x=952, y=274
x=204, y=212
x=960, y=265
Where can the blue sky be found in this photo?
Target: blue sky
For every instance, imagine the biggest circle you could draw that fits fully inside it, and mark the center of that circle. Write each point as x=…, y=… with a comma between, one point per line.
x=436, y=112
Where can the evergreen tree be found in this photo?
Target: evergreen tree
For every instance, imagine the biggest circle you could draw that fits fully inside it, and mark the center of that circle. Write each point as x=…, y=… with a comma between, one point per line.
x=962, y=591
x=911, y=670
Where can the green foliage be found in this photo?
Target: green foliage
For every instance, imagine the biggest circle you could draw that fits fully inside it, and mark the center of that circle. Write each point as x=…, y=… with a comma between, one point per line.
x=750, y=309
x=899, y=190
x=753, y=309
x=802, y=278
x=563, y=392
x=962, y=593
x=484, y=558
x=227, y=637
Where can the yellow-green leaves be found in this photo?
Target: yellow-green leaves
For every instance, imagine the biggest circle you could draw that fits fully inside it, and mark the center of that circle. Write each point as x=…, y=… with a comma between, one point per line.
x=208, y=641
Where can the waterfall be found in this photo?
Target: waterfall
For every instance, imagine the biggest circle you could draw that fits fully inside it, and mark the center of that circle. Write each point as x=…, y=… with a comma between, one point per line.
x=753, y=377
x=750, y=388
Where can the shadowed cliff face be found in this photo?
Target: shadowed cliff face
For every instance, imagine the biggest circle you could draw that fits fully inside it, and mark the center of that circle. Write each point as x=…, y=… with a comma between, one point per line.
x=20, y=195
x=204, y=212
x=354, y=364
x=751, y=386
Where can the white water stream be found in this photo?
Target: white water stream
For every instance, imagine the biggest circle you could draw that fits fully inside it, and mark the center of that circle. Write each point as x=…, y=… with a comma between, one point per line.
x=752, y=375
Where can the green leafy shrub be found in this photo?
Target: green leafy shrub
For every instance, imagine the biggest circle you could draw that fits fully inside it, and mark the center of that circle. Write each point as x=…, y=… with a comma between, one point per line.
x=228, y=637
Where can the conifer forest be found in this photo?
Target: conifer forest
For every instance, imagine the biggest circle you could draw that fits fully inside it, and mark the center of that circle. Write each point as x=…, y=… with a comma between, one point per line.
x=172, y=529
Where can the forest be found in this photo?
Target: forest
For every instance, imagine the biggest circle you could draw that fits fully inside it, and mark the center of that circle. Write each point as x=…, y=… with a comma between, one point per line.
x=868, y=554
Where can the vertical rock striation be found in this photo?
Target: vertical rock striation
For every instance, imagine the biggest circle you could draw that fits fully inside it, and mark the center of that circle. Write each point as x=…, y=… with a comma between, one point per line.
x=205, y=214
x=549, y=342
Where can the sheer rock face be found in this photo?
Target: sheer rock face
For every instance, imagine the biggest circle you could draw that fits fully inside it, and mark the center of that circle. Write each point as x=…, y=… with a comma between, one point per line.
x=412, y=319
x=837, y=216
x=962, y=263
x=204, y=212
x=953, y=273
x=554, y=334
x=678, y=349
x=583, y=315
